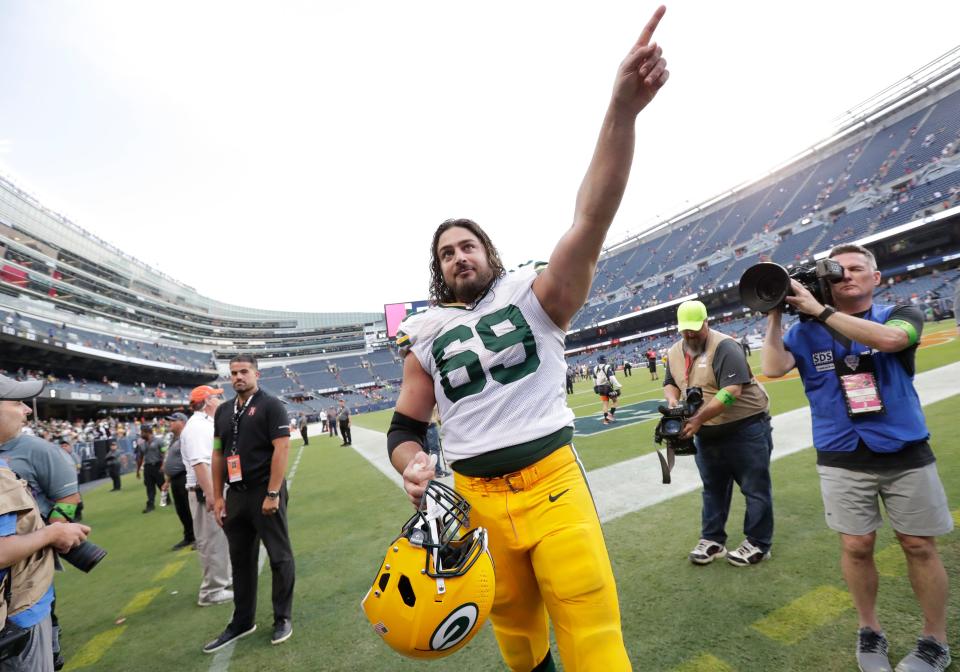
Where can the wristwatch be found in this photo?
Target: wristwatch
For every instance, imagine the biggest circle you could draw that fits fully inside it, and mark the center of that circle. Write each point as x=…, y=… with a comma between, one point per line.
x=273, y=494
x=825, y=313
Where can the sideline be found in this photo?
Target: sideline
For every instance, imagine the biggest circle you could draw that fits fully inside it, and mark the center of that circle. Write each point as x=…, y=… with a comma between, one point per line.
x=631, y=485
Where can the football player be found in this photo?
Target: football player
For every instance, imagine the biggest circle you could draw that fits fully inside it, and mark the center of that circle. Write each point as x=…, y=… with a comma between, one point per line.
x=605, y=384
x=489, y=353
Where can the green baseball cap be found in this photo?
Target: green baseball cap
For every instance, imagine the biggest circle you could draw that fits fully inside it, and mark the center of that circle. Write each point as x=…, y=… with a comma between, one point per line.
x=691, y=315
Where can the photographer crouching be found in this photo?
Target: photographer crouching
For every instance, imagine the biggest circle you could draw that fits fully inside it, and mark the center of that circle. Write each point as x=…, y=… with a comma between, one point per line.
x=731, y=432
x=857, y=363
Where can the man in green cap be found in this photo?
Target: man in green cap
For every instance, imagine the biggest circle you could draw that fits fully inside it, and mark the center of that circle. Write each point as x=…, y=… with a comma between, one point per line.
x=731, y=432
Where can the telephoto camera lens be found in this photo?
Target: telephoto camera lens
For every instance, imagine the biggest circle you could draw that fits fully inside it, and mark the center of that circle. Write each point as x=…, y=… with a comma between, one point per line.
x=85, y=556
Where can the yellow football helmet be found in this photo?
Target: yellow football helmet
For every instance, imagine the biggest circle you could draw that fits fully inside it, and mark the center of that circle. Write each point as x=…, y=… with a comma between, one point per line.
x=435, y=587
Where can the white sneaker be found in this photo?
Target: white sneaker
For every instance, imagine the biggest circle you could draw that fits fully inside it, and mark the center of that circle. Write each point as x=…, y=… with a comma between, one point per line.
x=928, y=656
x=706, y=552
x=216, y=598
x=747, y=554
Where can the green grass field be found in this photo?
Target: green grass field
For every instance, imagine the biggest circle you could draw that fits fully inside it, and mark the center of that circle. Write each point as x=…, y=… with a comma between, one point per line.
x=137, y=610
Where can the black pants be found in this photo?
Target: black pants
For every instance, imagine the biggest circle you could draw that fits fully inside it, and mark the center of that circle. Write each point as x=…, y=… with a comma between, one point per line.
x=114, y=471
x=245, y=526
x=332, y=426
x=178, y=490
x=303, y=435
x=345, y=431
x=153, y=480
x=569, y=386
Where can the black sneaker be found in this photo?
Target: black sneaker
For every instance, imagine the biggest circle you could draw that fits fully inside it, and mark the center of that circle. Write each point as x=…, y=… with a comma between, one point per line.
x=226, y=637
x=928, y=656
x=872, y=651
x=282, y=630
x=183, y=543
x=706, y=552
x=148, y=508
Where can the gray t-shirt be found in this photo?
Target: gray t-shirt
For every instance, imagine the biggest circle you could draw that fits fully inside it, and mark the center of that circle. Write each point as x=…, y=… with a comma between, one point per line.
x=343, y=413
x=42, y=465
x=173, y=464
x=152, y=450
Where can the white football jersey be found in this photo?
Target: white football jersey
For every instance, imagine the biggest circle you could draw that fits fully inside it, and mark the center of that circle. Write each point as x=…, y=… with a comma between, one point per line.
x=497, y=367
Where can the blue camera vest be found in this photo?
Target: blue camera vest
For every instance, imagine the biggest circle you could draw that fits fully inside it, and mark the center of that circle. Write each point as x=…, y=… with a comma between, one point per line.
x=815, y=351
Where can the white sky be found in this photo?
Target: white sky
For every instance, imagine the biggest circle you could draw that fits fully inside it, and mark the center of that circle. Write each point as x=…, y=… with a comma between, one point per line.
x=299, y=155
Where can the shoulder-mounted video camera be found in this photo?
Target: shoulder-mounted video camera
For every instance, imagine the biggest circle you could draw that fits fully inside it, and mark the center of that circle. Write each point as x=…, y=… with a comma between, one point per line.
x=764, y=286
x=670, y=427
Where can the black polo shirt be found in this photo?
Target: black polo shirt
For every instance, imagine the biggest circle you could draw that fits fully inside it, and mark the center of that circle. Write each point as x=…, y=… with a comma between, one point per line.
x=263, y=420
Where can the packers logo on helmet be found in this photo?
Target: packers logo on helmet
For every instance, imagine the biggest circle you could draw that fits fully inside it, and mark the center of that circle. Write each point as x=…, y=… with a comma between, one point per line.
x=435, y=586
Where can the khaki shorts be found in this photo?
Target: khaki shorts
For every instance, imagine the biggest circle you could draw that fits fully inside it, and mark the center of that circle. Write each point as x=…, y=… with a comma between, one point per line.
x=913, y=499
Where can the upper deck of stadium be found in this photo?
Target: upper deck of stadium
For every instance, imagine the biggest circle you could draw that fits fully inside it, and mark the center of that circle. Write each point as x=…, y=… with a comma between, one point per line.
x=55, y=276
x=893, y=165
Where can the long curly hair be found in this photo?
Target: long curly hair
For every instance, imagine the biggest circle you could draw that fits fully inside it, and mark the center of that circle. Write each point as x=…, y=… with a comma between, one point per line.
x=440, y=292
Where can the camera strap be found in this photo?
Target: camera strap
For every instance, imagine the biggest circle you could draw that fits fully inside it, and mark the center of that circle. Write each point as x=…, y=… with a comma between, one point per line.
x=666, y=463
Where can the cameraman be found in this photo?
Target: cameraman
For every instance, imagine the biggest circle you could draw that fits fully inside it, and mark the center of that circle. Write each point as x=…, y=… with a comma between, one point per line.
x=857, y=364
x=605, y=384
x=731, y=432
x=26, y=543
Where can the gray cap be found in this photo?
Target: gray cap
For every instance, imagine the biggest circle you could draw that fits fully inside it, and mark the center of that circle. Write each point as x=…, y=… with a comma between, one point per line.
x=174, y=417
x=11, y=389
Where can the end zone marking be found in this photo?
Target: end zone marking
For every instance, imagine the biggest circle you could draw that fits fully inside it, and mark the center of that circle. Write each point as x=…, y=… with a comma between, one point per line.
x=169, y=570
x=94, y=649
x=140, y=601
x=793, y=622
x=890, y=561
x=705, y=662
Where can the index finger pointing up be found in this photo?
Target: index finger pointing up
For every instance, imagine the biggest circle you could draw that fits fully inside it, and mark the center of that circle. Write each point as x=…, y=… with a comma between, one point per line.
x=651, y=26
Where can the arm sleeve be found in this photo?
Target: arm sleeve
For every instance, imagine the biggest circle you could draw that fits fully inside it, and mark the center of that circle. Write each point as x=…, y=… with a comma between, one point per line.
x=910, y=317
x=730, y=364
x=279, y=423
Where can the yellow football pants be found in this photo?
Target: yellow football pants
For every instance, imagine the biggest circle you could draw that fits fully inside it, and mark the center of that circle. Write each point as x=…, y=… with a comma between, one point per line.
x=550, y=558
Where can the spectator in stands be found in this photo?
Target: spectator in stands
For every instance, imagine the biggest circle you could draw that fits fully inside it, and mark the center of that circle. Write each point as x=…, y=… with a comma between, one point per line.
x=731, y=431
x=175, y=480
x=864, y=454
x=150, y=459
x=197, y=447
x=72, y=458
x=343, y=419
